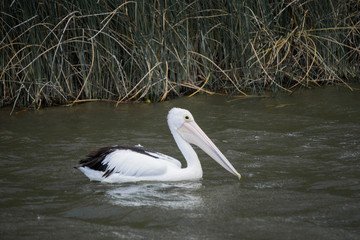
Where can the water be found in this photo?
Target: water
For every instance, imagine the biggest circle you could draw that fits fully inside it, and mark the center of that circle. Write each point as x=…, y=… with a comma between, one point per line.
x=298, y=156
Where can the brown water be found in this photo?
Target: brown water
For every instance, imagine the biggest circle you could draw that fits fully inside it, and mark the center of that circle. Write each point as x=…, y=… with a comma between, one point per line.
x=299, y=157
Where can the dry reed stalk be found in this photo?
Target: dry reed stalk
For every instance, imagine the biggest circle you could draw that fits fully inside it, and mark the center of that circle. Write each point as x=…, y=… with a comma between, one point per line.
x=140, y=81
x=90, y=70
x=202, y=86
x=221, y=70
x=262, y=67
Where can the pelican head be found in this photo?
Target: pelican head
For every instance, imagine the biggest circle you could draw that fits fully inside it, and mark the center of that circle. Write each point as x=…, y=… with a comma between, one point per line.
x=182, y=122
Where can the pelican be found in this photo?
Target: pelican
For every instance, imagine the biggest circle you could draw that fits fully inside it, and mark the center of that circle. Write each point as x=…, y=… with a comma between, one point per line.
x=134, y=164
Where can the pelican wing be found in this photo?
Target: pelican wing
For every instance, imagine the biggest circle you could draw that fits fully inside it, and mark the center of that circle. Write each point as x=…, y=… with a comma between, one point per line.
x=128, y=161
x=165, y=158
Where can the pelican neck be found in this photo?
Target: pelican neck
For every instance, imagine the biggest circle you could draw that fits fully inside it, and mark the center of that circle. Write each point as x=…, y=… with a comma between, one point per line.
x=187, y=151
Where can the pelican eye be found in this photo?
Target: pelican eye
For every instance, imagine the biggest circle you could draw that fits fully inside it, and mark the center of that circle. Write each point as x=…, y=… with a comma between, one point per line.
x=187, y=118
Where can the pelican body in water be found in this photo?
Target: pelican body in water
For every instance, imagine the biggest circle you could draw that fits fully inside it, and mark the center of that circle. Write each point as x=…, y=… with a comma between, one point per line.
x=134, y=164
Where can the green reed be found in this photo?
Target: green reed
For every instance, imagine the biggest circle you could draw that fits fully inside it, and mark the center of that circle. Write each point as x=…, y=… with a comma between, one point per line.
x=62, y=52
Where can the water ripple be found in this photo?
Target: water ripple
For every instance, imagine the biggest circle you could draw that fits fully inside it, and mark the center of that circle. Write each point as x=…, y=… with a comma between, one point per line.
x=169, y=195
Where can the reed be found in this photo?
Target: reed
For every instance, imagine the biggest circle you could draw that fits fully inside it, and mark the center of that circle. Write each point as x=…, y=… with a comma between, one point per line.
x=63, y=52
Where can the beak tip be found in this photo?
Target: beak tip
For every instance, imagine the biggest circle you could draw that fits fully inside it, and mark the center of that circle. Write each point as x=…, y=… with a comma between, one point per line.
x=239, y=176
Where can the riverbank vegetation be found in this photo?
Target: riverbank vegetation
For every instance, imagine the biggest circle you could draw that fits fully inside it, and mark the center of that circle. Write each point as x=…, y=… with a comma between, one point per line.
x=62, y=52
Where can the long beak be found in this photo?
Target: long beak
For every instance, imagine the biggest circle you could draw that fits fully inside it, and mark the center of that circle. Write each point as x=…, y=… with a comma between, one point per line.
x=192, y=133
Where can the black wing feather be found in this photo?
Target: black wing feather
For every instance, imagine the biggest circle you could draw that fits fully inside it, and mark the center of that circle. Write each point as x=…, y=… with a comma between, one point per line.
x=95, y=158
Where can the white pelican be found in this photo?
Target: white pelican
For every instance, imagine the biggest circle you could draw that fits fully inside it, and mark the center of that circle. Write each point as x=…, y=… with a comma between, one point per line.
x=133, y=164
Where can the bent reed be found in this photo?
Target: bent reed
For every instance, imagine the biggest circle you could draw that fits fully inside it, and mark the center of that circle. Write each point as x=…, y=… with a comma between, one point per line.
x=63, y=52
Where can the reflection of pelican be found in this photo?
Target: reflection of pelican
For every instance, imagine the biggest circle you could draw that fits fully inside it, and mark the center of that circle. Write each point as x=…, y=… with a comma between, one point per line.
x=132, y=164
x=175, y=195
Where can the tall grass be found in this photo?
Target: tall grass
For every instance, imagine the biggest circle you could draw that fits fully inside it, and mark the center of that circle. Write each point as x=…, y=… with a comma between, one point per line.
x=61, y=52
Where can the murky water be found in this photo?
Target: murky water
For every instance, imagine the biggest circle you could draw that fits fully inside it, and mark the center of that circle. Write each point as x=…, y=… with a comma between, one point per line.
x=299, y=157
